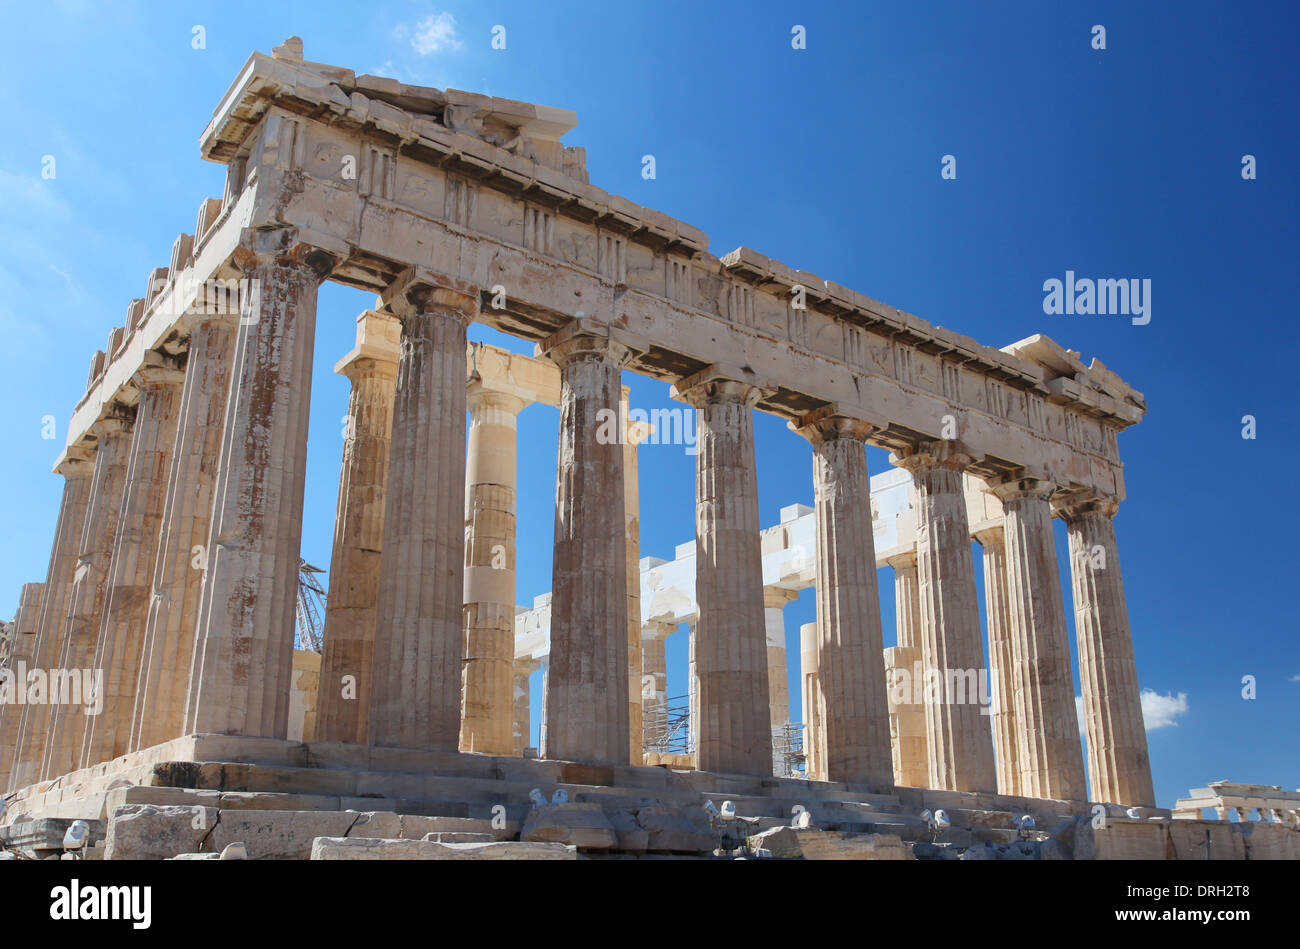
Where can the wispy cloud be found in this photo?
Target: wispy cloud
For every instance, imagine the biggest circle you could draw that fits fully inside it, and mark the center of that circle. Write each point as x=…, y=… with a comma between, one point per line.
x=436, y=33
x=1161, y=710
x=1158, y=710
x=1294, y=679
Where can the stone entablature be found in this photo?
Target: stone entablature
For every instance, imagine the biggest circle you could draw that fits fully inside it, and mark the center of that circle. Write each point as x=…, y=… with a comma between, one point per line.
x=472, y=210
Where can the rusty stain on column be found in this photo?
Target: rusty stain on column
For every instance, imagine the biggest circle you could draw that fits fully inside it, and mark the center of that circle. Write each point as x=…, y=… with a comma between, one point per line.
x=168, y=650
x=587, y=682
x=242, y=670
x=419, y=628
x=32, y=721
x=86, y=600
x=135, y=547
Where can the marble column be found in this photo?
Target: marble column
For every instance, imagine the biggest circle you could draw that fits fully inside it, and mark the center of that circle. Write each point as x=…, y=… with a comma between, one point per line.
x=1006, y=741
x=692, y=691
x=850, y=642
x=131, y=566
x=587, y=691
x=633, y=434
x=33, y=721
x=778, y=671
x=814, y=705
x=654, y=679
x=907, y=739
x=522, y=727
x=419, y=632
x=242, y=671
x=1051, y=760
x=86, y=598
x=343, y=699
x=168, y=650
x=1118, y=767
x=952, y=644
x=731, y=641
x=489, y=679
x=907, y=600
x=903, y=672
x=22, y=657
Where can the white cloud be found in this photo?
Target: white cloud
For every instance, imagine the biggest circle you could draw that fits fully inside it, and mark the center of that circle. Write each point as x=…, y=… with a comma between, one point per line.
x=1161, y=710
x=1157, y=710
x=1294, y=679
x=436, y=34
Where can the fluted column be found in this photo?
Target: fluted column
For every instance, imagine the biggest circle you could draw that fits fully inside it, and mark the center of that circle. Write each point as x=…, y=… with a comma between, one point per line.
x=654, y=679
x=814, y=706
x=489, y=680
x=522, y=727
x=33, y=721
x=907, y=599
x=343, y=698
x=126, y=597
x=419, y=635
x=850, y=642
x=731, y=640
x=587, y=691
x=1119, y=769
x=778, y=672
x=86, y=599
x=1051, y=761
x=952, y=647
x=692, y=691
x=242, y=671
x=1006, y=741
x=22, y=656
x=633, y=434
x=903, y=673
x=168, y=649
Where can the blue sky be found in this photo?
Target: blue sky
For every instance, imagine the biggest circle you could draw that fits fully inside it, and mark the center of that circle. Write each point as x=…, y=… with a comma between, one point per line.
x=1122, y=162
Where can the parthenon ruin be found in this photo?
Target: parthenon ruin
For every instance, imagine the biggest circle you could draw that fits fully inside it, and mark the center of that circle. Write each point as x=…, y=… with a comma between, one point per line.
x=174, y=565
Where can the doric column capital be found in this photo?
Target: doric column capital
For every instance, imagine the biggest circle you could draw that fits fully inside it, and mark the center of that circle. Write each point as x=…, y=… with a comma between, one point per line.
x=903, y=561
x=990, y=537
x=1023, y=487
x=260, y=247
x=117, y=419
x=717, y=383
x=1075, y=507
x=158, y=372
x=657, y=630
x=378, y=347
x=775, y=598
x=948, y=453
x=829, y=423
x=417, y=291
x=582, y=339
x=480, y=398
x=77, y=461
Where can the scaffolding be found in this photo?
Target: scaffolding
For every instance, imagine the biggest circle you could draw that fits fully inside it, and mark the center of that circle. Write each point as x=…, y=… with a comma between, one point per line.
x=309, y=632
x=787, y=750
x=667, y=727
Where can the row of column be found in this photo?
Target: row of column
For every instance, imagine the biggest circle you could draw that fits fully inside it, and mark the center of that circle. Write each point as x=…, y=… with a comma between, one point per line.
x=420, y=618
x=1032, y=731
